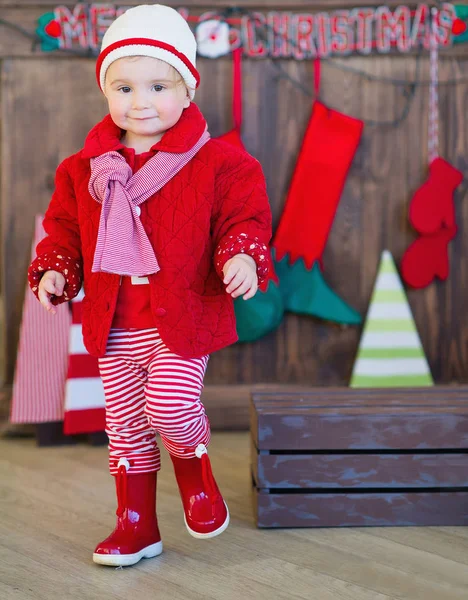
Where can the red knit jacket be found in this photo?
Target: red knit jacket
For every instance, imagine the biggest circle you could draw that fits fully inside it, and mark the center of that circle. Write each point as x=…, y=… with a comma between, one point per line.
x=215, y=207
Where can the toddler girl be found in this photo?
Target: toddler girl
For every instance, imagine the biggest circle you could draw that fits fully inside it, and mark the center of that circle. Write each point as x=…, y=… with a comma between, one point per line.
x=163, y=226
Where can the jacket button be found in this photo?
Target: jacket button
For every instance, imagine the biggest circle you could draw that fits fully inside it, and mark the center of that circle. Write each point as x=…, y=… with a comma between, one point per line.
x=160, y=312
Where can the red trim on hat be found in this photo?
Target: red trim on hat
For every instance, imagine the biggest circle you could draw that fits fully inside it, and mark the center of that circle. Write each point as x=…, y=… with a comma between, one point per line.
x=145, y=42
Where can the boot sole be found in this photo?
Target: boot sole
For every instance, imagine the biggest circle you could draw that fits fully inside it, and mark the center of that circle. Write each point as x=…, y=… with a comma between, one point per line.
x=211, y=534
x=125, y=560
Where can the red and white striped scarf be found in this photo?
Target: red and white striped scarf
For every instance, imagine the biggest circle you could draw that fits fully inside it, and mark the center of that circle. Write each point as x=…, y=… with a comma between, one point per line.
x=122, y=245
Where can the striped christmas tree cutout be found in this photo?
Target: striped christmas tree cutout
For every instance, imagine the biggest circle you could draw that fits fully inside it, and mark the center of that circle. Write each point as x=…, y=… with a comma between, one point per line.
x=390, y=352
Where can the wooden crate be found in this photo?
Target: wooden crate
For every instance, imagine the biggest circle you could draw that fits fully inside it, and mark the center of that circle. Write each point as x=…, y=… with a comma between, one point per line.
x=346, y=457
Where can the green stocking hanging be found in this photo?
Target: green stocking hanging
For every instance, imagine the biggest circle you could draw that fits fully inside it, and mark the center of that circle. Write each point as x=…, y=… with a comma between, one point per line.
x=262, y=313
x=305, y=291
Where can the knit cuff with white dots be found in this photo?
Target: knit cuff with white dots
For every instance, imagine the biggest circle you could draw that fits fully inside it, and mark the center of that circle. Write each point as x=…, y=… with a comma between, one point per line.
x=54, y=261
x=243, y=244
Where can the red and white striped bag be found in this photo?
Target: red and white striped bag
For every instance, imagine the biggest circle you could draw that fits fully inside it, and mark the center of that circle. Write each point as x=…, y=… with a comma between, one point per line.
x=84, y=393
x=42, y=359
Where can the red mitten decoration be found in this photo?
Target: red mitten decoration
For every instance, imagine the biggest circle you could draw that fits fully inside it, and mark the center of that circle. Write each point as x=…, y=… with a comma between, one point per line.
x=328, y=148
x=432, y=205
x=427, y=258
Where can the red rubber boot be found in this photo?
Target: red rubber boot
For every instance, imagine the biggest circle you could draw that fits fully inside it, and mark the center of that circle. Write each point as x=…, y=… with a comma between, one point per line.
x=206, y=513
x=136, y=535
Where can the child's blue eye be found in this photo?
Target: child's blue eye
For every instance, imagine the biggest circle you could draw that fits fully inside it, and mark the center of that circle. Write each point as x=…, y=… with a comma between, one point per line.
x=157, y=87
x=125, y=89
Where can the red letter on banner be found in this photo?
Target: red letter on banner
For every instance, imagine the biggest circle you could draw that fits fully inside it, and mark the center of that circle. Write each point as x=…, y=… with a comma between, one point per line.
x=302, y=26
x=342, y=35
x=445, y=19
x=393, y=29
x=420, y=33
x=101, y=16
x=363, y=18
x=250, y=26
x=73, y=26
x=278, y=34
x=322, y=24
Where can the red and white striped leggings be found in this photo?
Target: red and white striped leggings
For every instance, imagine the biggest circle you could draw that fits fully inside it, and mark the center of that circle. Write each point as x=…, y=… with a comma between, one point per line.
x=150, y=389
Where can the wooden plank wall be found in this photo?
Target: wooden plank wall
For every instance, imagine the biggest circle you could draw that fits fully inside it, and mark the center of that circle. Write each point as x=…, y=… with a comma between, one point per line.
x=49, y=102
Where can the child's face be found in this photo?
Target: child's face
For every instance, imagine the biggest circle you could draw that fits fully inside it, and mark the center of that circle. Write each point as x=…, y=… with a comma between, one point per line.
x=146, y=97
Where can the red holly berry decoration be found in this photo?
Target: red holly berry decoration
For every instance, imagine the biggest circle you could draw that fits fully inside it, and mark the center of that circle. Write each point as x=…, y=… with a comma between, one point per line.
x=49, y=32
x=53, y=29
x=458, y=27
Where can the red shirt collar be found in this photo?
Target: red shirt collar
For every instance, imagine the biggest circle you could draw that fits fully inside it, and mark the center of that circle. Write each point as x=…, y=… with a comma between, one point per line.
x=106, y=135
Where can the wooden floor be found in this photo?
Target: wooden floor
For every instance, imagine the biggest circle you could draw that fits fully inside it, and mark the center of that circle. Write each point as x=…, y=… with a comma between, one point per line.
x=57, y=503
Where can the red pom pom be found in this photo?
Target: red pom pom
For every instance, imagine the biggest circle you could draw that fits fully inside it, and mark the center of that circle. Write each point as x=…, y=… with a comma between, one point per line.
x=458, y=27
x=53, y=29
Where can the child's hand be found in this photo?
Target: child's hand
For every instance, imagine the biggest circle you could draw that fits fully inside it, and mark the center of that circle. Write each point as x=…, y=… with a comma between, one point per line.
x=51, y=284
x=240, y=276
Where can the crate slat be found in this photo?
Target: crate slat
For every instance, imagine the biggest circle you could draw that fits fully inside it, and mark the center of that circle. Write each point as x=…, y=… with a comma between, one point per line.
x=337, y=471
x=361, y=420
x=363, y=396
x=361, y=510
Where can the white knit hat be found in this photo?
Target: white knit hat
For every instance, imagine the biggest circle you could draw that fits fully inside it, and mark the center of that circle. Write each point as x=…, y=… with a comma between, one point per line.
x=151, y=30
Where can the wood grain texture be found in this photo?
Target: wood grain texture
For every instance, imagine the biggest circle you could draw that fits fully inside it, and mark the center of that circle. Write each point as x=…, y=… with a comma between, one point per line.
x=362, y=420
x=56, y=504
x=361, y=510
x=333, y=471
x=47, y=108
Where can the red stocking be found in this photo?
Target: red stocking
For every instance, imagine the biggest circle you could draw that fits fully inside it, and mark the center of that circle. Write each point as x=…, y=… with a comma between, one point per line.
x=432, y=205
x=427, y=258
x=329, y=145
x=328, y=148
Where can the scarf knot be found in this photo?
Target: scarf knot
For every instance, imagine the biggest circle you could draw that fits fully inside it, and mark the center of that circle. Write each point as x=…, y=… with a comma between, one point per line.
x=108, y=167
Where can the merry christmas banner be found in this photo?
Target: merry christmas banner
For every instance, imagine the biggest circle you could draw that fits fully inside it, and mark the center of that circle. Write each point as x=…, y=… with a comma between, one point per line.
x=274, y=34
